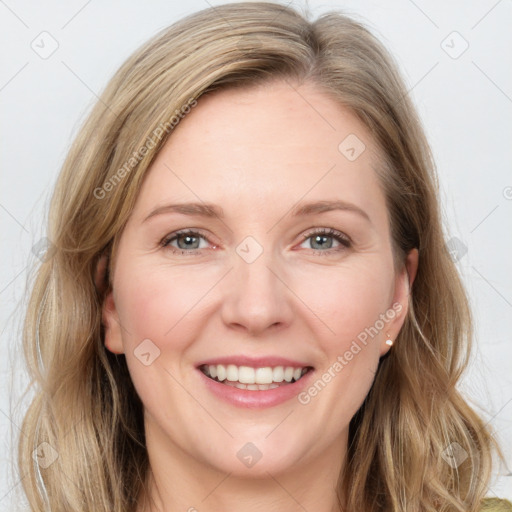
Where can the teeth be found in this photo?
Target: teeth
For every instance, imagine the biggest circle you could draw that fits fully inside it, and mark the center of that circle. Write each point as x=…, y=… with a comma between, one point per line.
x=260, y=387
x=245, y=377
x=288, y=374
x=221, y=372
x=278, y=374
x=231, y=372
x=264, y=375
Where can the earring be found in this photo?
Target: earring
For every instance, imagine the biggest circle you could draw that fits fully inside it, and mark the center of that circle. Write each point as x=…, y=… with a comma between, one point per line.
x=389, y=341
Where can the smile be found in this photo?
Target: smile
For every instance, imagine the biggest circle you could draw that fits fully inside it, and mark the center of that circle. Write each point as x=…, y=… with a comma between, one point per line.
x=254, y=379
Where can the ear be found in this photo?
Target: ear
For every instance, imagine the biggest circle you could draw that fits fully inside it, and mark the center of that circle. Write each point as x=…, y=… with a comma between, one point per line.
x=109, y=316
x=400, y=304
x=100, y=276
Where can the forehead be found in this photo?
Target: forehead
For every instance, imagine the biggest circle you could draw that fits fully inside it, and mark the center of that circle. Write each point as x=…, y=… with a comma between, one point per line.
x=258, y=145
x=278, y=115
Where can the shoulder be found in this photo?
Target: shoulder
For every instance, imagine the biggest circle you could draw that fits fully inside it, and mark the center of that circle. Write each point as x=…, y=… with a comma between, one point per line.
x=496, y=505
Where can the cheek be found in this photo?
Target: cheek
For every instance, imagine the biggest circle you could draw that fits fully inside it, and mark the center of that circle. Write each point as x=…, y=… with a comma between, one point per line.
x=163, y=305
x=348, y=299
x=156, y=302
x=159, y=302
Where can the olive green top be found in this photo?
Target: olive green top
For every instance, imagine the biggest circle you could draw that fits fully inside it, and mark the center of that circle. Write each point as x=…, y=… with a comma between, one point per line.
x=496, y=505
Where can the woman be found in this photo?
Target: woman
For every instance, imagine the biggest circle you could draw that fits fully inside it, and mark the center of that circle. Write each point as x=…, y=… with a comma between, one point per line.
x=247, y=303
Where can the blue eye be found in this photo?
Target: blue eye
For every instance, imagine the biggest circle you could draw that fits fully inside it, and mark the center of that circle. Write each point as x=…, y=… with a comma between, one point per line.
x=187, y=242
x=324, y=239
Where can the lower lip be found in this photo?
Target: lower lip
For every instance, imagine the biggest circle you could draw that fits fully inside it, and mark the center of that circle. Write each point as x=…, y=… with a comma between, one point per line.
x=256, y=399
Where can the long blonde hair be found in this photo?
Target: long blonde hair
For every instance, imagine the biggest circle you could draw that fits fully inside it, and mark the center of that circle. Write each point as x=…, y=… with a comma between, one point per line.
x=86, y=407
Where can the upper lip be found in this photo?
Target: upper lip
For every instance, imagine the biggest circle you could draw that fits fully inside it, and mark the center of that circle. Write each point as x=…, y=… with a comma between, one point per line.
x=255, y=362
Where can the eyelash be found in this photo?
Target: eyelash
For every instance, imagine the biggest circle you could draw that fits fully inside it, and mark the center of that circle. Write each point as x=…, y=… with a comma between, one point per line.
x=343, y=239
x=328, y=232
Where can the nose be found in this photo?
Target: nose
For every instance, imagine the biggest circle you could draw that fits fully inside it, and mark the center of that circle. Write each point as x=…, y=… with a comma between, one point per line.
x=256, y=297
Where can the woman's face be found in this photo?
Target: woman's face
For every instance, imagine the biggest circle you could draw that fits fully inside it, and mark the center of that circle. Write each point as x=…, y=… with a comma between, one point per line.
x=274, y=274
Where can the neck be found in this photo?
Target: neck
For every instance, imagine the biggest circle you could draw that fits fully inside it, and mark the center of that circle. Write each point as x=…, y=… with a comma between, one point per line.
x=277, y=493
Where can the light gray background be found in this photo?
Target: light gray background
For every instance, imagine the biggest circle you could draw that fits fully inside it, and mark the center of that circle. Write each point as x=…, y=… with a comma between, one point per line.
x=465, y=104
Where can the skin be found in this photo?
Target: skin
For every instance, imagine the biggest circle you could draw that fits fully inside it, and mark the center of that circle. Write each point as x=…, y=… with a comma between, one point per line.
x=257, y=153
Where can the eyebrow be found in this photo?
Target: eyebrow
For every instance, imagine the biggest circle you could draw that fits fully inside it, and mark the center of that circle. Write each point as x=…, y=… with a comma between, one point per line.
x=209, y=210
